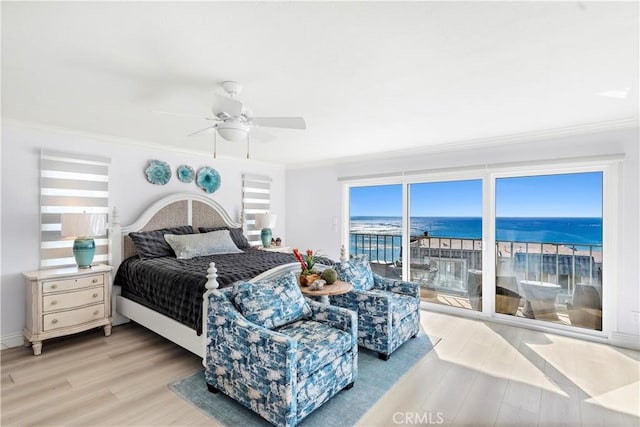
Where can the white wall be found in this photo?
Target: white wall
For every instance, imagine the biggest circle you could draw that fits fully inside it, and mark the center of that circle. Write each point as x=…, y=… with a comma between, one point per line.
x=309, y=224
x=129, y=192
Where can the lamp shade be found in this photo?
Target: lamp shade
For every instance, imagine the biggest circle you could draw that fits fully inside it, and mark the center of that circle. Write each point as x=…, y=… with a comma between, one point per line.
x=83, y=225
x=265, y=220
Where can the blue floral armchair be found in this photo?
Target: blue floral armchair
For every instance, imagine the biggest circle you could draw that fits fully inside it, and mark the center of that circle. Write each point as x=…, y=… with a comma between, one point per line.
x=388, y=310
x=276, y=352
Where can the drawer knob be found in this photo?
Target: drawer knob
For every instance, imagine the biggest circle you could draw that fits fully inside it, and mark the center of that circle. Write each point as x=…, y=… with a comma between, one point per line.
x=95, y=313
x=54, y=286
x=54, y=302
x=95, y=295
x=94, y=281
x=54, y=321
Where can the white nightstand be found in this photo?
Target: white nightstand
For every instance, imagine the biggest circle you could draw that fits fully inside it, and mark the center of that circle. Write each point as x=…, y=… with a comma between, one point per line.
x=275, y=249
x=64, y=301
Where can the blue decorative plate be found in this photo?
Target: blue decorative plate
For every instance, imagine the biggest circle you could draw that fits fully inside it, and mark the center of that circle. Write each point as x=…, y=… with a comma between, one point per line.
x=185, y=173
x=208, y=179
x=158, y=172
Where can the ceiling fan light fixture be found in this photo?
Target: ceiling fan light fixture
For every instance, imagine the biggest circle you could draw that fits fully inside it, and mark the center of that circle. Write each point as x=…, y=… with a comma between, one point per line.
x=233, y=131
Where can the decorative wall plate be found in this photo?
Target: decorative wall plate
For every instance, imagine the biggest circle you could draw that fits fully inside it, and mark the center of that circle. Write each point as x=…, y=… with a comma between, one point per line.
x=158, y=172
x=208, y=179
x=185, y=173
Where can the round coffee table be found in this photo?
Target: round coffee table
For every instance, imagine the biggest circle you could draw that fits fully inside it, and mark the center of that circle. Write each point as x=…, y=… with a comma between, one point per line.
x=322, y=295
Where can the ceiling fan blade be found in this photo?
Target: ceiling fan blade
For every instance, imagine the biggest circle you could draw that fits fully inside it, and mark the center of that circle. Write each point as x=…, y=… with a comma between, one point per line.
x=223, y=104
x=201, y=130
x=280, y=122
x=170, y=113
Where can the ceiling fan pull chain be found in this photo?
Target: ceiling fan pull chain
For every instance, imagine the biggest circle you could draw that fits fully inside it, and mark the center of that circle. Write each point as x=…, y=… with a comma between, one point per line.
x=247, y=146
x=215, y=144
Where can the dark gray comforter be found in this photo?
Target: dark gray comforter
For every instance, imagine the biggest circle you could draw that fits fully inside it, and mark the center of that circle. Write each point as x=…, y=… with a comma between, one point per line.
x=174, y=287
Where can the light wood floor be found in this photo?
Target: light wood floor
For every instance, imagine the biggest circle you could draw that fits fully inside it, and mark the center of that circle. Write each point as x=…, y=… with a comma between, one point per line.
x=479, y=374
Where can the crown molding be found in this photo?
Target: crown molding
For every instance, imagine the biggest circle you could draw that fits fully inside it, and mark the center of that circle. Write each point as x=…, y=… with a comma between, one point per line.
x=110, y=139
x=495, y=141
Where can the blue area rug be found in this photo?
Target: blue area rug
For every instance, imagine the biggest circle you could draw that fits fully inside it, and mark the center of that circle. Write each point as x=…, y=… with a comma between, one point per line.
x=375, y=378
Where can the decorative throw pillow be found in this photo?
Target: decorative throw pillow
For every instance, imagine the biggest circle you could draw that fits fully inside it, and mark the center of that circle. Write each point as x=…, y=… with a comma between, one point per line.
x=356, y=271
x=271, y=303
x=236, y=234
x=151, y=244
x=193, y=245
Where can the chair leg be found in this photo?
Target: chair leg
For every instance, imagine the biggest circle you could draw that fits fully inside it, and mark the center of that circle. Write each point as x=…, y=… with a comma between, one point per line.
x=348, y=386
x=383, y=356
x=212, y=389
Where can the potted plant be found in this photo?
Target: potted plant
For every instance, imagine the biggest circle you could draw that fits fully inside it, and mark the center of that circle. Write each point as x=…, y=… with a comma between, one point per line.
x=308, y=275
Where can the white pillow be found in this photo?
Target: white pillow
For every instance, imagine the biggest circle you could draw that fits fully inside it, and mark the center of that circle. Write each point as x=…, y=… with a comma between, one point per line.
x=189, y=246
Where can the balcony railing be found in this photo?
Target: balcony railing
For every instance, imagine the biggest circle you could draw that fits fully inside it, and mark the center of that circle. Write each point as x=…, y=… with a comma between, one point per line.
x=443, y=262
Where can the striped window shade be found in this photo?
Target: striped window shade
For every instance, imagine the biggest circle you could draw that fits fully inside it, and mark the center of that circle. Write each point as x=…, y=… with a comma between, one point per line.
x=256, y=198
x=70, y=183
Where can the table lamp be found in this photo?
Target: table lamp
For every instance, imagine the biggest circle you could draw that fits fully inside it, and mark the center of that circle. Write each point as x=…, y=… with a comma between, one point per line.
x=265, y=221
x=83, y=226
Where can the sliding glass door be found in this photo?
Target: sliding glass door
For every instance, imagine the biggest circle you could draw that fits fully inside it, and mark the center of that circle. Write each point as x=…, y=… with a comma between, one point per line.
x=544, y=239
x=446, y=242
x=375, y=227
x=549, y=248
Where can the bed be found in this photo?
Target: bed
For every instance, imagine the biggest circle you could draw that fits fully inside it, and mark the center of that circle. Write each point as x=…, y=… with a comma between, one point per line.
x=181, y=325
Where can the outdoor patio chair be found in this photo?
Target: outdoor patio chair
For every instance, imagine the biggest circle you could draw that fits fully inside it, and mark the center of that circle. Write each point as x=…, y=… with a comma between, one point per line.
x=585, y=309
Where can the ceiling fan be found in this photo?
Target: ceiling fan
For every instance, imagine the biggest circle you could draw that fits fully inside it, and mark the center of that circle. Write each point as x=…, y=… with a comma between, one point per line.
x=234, y=122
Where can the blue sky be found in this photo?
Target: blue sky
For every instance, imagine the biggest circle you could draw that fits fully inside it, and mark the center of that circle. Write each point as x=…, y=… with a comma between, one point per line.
x=567, y=195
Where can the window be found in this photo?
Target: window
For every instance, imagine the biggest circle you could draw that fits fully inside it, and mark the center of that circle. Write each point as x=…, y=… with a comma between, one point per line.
x=527, y=242
x=256, y=198
x=549, y=248
x=375, y=227
x=446, y=242
x=70, y=183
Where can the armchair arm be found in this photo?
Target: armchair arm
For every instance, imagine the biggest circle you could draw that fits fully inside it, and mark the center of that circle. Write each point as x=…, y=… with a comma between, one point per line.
x=365, y=303
x=231, y=335
x=397, y=286
x=336, y=317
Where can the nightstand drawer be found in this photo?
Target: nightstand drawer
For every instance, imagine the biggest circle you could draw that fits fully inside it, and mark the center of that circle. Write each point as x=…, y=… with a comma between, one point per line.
x=71, y=284
x=72, y=317
x=72, y=299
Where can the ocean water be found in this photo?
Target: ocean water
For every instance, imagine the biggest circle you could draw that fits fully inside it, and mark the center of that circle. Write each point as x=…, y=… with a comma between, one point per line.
x=568, y=231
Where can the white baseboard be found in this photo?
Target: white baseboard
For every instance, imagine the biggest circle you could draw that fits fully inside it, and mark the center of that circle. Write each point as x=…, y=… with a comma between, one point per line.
x=12, y=340
x=620, y=339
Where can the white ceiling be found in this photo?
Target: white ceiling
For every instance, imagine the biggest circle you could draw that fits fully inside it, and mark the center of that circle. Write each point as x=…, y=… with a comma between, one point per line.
x=368, y=77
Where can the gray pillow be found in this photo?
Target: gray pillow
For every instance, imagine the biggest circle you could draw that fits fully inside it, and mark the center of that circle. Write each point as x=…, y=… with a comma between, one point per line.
x=236, y=234
x=193, y=245
x=151, y=244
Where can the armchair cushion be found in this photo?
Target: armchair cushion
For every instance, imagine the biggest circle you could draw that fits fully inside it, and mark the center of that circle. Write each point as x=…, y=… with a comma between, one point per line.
x=271, y=303
x=356, y=271
x=317, y=344
x=400, y=305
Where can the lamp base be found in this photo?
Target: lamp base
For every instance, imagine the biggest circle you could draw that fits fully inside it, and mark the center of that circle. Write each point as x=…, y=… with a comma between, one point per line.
x=83, y=250
x=266, y=237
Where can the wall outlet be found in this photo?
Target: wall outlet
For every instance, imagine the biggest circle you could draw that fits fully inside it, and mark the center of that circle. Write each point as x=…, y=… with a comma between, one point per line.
x=636, y=316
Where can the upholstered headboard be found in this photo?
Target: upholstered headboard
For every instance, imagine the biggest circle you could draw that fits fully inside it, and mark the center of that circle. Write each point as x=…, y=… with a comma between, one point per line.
x=170, y=211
